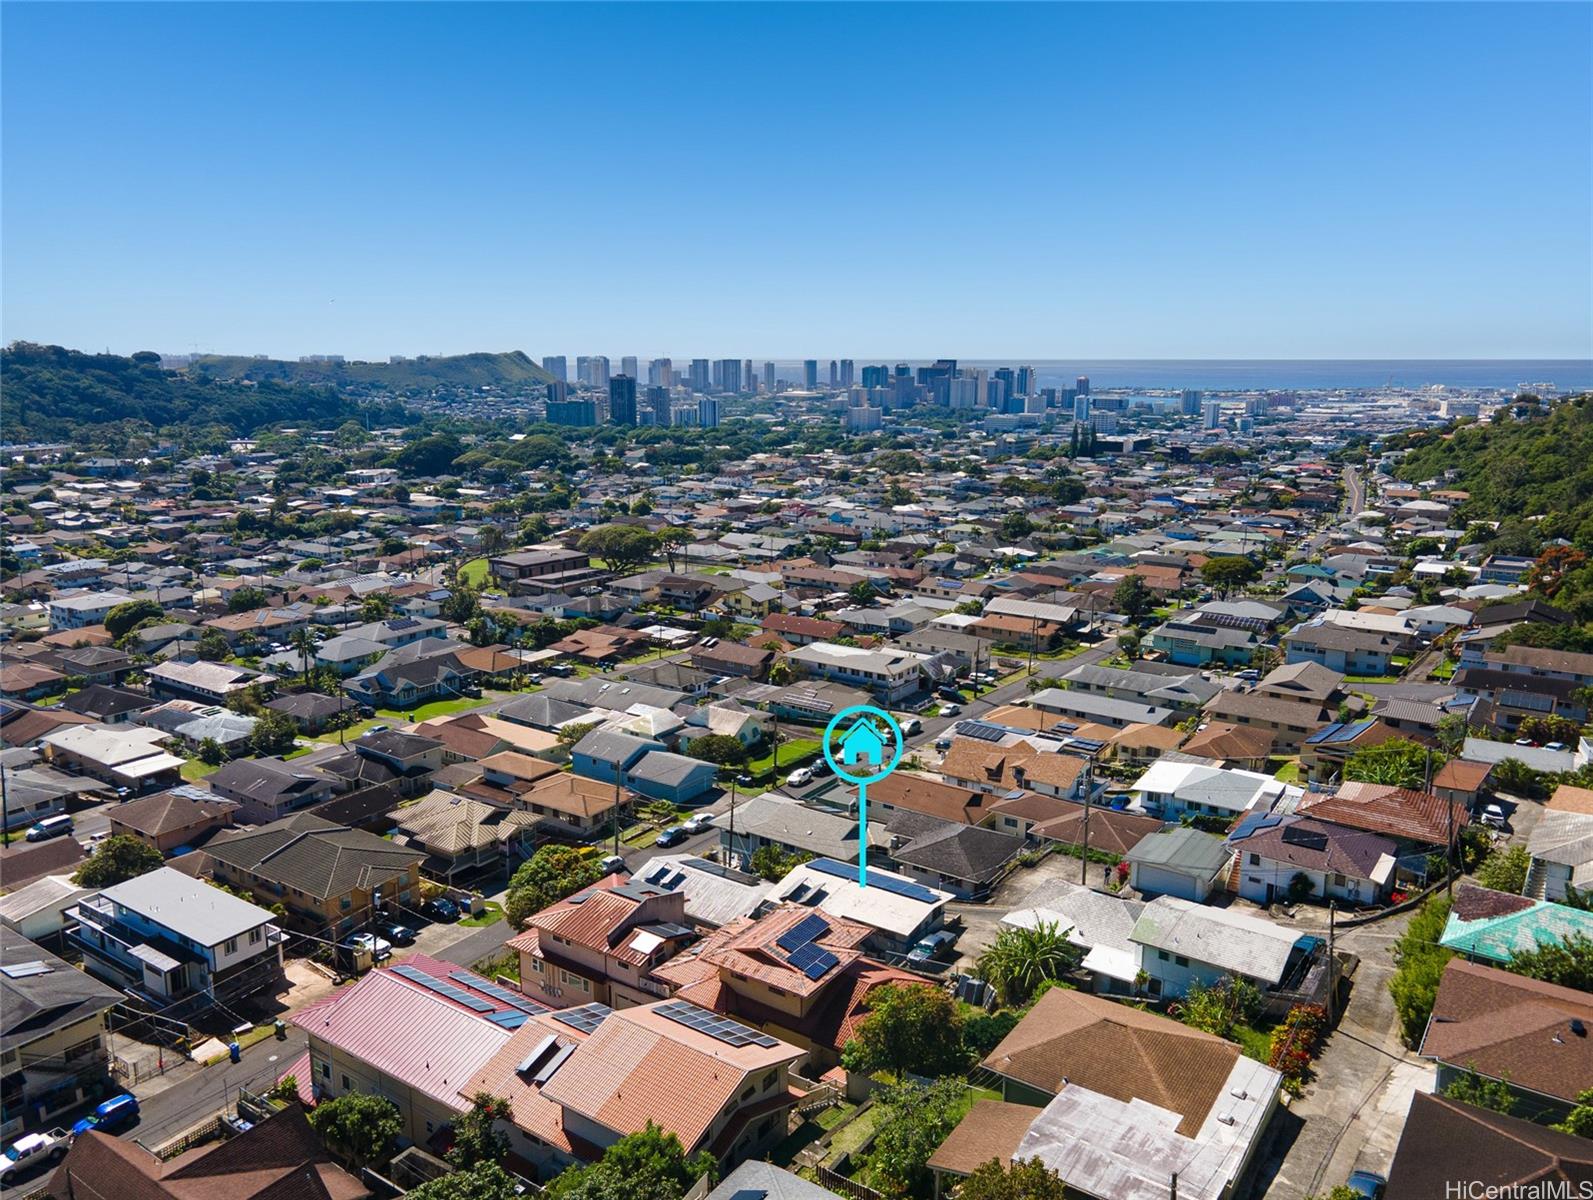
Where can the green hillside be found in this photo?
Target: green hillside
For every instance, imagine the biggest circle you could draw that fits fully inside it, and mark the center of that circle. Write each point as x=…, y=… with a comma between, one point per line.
x=48, y=393
x=1517, y=471
x=507, y=370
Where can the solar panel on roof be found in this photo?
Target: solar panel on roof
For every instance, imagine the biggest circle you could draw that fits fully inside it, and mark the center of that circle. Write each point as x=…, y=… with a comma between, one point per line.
x=586, y=1018
x=980, y=731
x=446, y=990
x=804, y=931
x=510, y=1018
x=659, y=875
x=553, y=1064
x=723, y=1029
x=812, y=960
x=486, y=988
x=538, y=1053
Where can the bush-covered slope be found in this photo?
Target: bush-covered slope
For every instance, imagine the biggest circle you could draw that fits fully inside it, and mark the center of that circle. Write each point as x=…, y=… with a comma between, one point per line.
x=505, y=370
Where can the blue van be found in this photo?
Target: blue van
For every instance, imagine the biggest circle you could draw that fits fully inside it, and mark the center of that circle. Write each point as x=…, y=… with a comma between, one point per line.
x=116, y=1113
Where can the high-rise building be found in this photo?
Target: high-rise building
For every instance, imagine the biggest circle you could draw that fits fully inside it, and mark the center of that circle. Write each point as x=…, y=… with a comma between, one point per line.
x=708, y=411
x=1025, y=381
x=583, y=369
x=580, y=413
x=700, y=375
x=749, y=377
x=1213, y=414
x=558, y=391
x=876, y=377
x=810, y=374
x=622, y=400
x=1083, y=385
x=555, y=366
x=727, y=375
x=599, y=370
x=861, y=418
x=835, y=374
x=1008, y=378
x=1081, y=408
x=963, y=393
x=661, y=373
x=768, y=377
x=658, y=404
x=628, y=366
x=1189, y=402
x=848, y=369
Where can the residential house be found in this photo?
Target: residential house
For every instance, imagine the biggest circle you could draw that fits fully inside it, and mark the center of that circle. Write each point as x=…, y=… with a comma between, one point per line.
x=184, y=816
x=1302, y=858
x=1491, y=927
x=267, y=789
x=1178, y=861
x=1561, y=846
x=1447, y=1147
x=459, y=838
x=900, y=911
x=1182, y=943
x=1172, y=790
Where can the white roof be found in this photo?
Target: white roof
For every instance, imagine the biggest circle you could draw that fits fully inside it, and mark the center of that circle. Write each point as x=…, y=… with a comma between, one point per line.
x=1201, y=784
x=1233, y=941
x=899, y=915
x=108, y=744
x=188, y=906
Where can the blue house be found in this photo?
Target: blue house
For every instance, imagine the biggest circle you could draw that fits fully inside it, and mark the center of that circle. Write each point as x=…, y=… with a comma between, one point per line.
x=606, y=755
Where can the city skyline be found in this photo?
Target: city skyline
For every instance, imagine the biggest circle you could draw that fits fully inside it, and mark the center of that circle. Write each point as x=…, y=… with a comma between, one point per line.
x=1135, y=182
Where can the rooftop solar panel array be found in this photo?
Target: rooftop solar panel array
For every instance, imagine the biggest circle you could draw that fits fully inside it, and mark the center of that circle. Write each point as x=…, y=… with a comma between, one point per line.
x=723, y=1029
x=812, y=960
x=886, y=883
x=804, y=931
x=513, y=999
x=442, y=988
x=585, y=1018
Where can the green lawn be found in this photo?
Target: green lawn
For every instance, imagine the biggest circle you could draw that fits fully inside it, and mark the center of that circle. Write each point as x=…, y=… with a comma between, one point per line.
x=1289, y=772
x=492, y=913
x=193, y=770
x=300, y=751
x=474, y=572
x=352, y=732
x=1256, y=1043
x=1371, y=679
x=1445, y=670
x=437, y=708
x=793, y=754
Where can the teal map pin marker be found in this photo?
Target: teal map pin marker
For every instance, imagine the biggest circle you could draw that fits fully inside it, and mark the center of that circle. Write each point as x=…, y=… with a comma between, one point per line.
x=865, y=739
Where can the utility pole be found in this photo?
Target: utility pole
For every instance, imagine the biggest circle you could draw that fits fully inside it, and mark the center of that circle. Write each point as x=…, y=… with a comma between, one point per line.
x=1333, y=986
x=616, y=811
x=730, y=849
x=1084, y=851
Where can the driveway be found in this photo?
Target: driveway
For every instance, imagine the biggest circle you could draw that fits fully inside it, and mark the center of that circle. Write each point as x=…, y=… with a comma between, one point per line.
x=1351, y=1115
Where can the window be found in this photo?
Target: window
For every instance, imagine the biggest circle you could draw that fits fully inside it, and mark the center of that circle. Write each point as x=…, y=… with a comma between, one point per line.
x=1255, y=860
x=1181, y=960
x=345, y=1083
x=326, y=1070
x=230, y=946
x=254, y=936
x=1162, y=955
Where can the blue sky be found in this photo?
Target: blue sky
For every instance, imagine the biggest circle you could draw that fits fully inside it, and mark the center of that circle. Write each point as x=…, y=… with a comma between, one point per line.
x=985, y=181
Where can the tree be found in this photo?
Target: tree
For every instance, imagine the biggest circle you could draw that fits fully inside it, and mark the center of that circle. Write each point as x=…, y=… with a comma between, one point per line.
x=861, y=592
x=1132, y=598
x=1397, y=762
x=672, y=539
x=305, y=645
x=916, y=1120
x=647, y=1165
x=1452, y=732
x=1419, y=966
x=1016, y=526
x=1568, y=963
x=1514, y=778
x=357, y=1126
x=548, y=876
x=1472, y=1088
x=570, y=735
x=213, y=647
x=913, y=1028
x=1228, y=571
x=211, y=752
x=1505, y=870
x=1025, y=1179
x=429, y=455
x=1550, y=729
x=477, y=1138
x=622, y=547
x=1020, y=960
x=1218, y=1008
x=378, y=606
x=118, y=859
x=774, y=864
x=274, y=733
x=246, y=599
x=718, y=748
x=1579, y=1121
x=487, y=1181
x=119, y=622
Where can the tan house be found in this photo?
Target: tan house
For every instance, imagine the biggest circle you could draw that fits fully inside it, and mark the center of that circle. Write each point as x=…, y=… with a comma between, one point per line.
x=183, y=816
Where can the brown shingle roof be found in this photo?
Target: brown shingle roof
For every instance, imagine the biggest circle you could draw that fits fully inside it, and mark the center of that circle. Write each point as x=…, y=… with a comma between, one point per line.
x=1448, y=1147
x=992, y=1129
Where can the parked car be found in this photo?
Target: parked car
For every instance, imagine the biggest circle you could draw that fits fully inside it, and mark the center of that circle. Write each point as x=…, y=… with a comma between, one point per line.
x=672, y=836
x=440, y=908
x=50, y=827
x=369, y=943
x=800, y=777
x=912, y=727
x=1249, y=675
x=612, y=864
x=238, y=1124
x=947, y=692
x=32, y=1151
x=696, y=823
x=943, y=744
x=399, y=935
x=1367, y=1183
x=1493, y=815
x=535, y=677
x=931, y=946
x=112, y=1115
x=950, y=710
x=92, y=842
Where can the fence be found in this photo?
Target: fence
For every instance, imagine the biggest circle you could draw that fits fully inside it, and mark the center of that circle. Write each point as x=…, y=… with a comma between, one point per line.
x=145, y=1063
x=844, y=1186
x=207, y=1130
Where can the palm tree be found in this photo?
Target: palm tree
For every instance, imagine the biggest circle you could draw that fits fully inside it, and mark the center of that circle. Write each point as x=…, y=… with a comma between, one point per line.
x=305, y=645
x=1020, y=960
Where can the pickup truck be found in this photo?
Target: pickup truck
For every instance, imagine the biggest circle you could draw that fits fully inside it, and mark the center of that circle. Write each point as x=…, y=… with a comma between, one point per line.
x=32, y=1151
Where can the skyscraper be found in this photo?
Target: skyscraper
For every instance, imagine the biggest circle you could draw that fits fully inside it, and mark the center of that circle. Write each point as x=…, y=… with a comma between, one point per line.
x=846, y=372
x=810, y=374
x=708, y=411
x=580, y=413
x=699, y=375
x=768, y=377
x=749, y=377
x=876, y=377
x=583, y=369
x=661, y=373
x=835, y=374
x=555, y=366
x=658, y=404
x=621, y=399
x=727, y=375
x=1189, y=402
x=1213, y=414
x=1081, y=408
x=1083, y=385
x=628, y=366
x=600, y=373
x=1025, y=382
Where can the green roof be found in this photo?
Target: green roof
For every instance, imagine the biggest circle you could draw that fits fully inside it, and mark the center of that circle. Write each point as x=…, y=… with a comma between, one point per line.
x=1498, y=938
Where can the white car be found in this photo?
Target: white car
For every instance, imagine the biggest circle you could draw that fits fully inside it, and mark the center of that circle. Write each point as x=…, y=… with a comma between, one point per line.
x=1493, y=815
x=950, y=710
x=800, y=777
x=695, y=824
x=368, y=943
